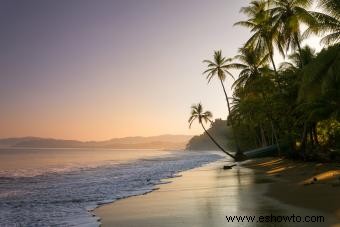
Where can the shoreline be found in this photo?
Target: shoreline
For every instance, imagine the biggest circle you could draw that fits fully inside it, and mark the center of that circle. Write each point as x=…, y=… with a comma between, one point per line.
x=183, y=201
x=305, y=184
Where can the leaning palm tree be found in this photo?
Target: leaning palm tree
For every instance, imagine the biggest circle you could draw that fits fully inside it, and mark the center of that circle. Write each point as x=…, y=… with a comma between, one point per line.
x=220, y=67
x=204, y=117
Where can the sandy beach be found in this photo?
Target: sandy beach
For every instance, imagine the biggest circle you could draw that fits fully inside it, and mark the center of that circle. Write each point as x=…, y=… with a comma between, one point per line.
x=310, y=185
x=205, y=196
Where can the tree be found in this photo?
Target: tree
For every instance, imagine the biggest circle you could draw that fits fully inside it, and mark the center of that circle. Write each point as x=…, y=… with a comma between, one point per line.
x=204, y=117
x=252, y=63
x=263, y=27
x=219, y=67
x=290, y=15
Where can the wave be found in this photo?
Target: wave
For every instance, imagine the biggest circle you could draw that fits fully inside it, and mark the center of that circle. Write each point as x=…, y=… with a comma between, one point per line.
x=65, y=198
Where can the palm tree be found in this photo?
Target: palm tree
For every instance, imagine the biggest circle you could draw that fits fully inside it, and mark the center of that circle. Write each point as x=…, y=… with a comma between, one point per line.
x=219, y=67
x=197, y=113
x=252, y=64
x=264, y=28
x=289, y=15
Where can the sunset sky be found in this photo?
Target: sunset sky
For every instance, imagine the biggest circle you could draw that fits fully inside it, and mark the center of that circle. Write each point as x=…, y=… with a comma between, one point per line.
x=93, y=70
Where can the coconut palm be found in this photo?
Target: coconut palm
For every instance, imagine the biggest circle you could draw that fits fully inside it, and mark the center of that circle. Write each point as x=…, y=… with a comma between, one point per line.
x=290, y=15
x=219, y=67
x=252, y=65
x=204, y=117
x=263, y=27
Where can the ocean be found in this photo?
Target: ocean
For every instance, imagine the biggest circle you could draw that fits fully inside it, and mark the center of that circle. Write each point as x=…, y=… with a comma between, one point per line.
x=60, y=187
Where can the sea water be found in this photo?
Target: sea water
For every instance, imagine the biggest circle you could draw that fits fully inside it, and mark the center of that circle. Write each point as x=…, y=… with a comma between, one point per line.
x=59, y=187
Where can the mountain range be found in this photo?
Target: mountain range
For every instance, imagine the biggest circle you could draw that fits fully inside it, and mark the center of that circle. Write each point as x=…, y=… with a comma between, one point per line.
x=137, y=142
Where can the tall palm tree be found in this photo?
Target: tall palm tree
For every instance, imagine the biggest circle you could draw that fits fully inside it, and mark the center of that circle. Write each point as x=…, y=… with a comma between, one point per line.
x=219, y=67
x=204, y=117
x=264, y=28
x=290, y=15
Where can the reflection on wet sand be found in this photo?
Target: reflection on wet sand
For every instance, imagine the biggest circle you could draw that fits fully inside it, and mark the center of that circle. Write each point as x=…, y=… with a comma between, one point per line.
x=202, y=197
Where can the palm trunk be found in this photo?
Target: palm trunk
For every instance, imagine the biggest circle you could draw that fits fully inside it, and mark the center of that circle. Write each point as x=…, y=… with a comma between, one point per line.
x=226, y=96
x=272, y=125
x=311, y=138
x=273, y=63
x=297, y=41
x=212, y=139
x=238, y=150
x=275, y=137
x=315, y=134
x=271, y=56
x=263, y=137
x=304, y=140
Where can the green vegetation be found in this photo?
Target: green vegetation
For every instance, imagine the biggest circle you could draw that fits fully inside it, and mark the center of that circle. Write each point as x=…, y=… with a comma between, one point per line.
x=294, y=104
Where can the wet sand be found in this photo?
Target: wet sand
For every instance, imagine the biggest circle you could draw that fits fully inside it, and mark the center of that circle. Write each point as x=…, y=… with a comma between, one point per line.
x=304, y=184
x=204, y=197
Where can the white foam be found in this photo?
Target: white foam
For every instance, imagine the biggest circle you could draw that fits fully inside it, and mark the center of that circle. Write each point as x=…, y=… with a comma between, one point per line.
x=64, y=198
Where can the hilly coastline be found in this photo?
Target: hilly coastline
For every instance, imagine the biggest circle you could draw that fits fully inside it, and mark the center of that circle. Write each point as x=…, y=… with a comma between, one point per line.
x=137, y=142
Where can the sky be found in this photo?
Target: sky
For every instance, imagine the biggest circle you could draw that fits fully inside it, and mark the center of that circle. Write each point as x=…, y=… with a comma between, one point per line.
x=94, y=70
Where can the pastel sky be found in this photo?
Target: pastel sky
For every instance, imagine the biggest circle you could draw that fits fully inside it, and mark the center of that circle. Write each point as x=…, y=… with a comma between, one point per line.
x=93, y=70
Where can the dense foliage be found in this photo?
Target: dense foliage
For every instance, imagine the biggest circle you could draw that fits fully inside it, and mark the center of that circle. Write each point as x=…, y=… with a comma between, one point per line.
x=294, y=104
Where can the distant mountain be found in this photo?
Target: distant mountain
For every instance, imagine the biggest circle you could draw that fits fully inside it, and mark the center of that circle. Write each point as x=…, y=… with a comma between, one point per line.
x=138, y=142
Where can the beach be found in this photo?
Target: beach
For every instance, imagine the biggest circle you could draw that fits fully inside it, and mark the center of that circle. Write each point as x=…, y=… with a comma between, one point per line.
x=209, y=195
x=310, y=185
